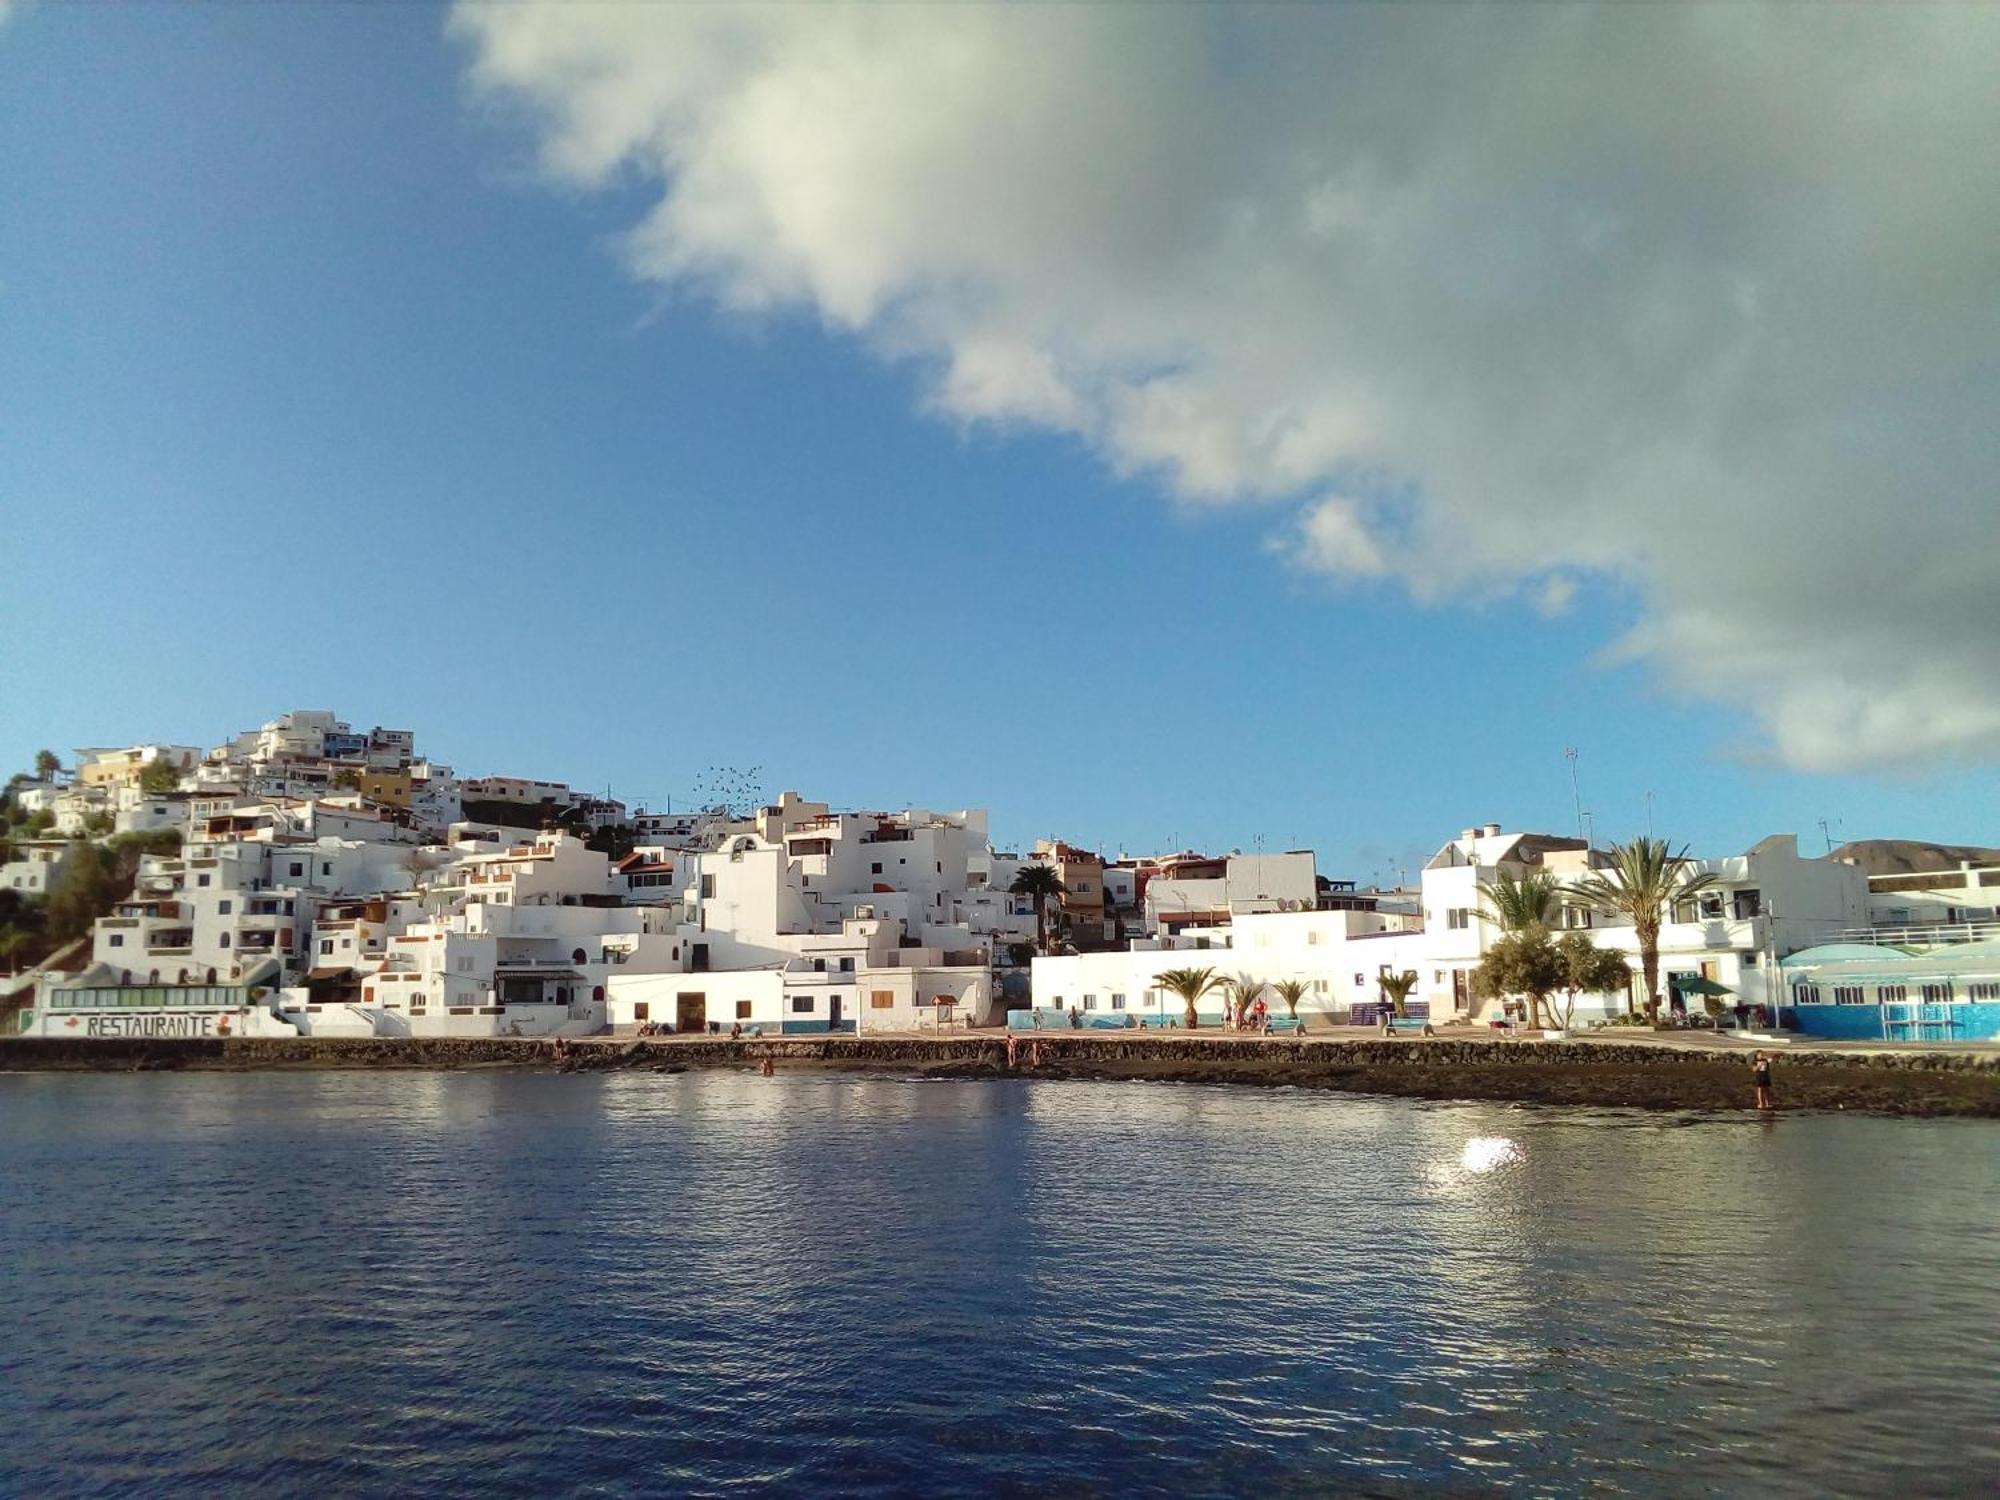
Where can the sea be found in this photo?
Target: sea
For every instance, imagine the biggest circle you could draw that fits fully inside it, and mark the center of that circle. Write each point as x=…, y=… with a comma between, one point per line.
x=823, y=1284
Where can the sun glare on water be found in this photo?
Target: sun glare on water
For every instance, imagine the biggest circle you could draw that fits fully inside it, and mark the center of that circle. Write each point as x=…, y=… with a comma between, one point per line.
x=1485, y=1152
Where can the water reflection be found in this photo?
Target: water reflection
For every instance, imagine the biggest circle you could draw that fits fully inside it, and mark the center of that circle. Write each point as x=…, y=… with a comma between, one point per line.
x=824, y=1284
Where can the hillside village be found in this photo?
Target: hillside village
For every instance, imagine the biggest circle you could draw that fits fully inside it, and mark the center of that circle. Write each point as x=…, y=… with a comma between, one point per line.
x=309, y=878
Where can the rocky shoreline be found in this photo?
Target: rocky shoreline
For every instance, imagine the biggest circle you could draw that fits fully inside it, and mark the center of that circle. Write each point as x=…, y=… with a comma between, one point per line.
x=1634, y=1074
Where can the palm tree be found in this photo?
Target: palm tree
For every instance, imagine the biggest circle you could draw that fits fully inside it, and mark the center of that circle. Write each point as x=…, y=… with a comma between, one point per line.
x=1396, y=988
x=1517, y=902
x=1190, y=985
x=1292, y=991
x=1243, y=993
x=1645, y=882
x=1040, y=882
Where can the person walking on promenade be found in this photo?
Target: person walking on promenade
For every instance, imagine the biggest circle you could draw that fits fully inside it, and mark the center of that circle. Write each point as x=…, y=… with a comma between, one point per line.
x=1760, y=1079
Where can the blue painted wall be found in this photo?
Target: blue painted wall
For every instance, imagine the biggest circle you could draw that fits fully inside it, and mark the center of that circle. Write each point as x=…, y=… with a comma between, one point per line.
x=1959, y=1022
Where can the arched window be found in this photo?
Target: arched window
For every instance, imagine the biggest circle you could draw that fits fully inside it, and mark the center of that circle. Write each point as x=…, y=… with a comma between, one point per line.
x=576, y=955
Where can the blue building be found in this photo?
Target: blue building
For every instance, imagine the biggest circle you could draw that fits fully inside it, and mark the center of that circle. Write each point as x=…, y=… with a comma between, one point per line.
x=1875, y=992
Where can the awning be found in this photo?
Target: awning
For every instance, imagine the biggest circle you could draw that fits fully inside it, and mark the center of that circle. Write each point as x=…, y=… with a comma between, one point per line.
x=1697, y=984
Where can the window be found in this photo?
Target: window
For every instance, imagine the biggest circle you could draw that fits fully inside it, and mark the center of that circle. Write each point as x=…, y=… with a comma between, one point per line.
x=1360, y=979
x=201, y=880
x=802, y=1005
x=222, y=941
x=1983, y=989
x=876, y=868
x=117, y=939
x=881, y=999
x=1891, y=994
x=326, y=867
x=1748, y=903
x=1458, y=919
x=847, y=966
x=298, y=867
x=707, y=886
x=1090, y=1002
x=819, y=966
x=224, y=906
x=1056, y=1001
x=326, y=945
x=1117, y=1002
x=1849, y=994
x=742, y=1010
x=1937, y=994
x=1805, y=994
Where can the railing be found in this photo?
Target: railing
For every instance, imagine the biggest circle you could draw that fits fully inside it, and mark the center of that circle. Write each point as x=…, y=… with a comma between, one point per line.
x=1920, y=935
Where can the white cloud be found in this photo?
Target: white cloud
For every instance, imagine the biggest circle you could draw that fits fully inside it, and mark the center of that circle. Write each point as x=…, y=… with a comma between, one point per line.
x=1701, y=298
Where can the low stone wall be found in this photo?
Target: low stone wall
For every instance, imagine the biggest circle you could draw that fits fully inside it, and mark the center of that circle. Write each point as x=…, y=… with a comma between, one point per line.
x=1591, y=1073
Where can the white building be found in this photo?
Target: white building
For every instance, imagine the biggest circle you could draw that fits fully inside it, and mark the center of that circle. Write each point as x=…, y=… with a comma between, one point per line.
x=35, y=865
x=1287, y=881
x=1768, y=902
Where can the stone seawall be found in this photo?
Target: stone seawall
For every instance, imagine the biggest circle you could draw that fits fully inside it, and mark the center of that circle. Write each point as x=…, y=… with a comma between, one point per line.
x=1587, y=1073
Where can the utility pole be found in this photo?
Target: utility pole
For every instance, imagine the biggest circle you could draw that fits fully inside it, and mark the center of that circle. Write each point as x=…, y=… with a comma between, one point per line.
x=1649, y=815
x=1575, y=796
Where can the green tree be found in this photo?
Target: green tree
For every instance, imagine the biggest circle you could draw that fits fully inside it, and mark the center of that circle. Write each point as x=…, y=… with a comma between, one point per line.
x=1039, y=882
x=47, y=766
x=1396, y=989
x=1291, y=991
x=97, y=824
x=157, y=778
x=1520, y=963
x=1644, y=883
x=1588, y=970
x=1190, y=985
x=1515, y=902
x=83, y=892
x=39, y=823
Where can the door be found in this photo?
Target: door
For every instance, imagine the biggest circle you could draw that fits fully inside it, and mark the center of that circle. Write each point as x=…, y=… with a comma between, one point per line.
x=698, y=958
x=833, y=1013
x=690, y=1013
x=642, y=1011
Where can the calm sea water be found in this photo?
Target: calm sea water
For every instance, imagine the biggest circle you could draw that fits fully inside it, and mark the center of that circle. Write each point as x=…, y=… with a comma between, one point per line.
x=821, y=1285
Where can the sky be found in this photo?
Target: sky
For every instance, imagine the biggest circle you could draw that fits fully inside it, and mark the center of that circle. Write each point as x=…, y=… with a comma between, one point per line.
x=1194, y=427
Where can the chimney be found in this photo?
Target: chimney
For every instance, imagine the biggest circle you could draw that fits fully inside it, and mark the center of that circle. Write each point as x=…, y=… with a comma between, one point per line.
x=1492, y=830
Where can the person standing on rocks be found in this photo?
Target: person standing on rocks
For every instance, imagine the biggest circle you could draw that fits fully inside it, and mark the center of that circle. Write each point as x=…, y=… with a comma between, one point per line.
x=1760, y=1079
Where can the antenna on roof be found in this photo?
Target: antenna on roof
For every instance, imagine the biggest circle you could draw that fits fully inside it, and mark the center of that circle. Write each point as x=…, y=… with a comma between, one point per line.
x=1827, y=833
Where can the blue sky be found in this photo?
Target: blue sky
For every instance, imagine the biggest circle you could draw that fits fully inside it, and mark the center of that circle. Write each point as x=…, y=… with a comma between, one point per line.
x=314, y=393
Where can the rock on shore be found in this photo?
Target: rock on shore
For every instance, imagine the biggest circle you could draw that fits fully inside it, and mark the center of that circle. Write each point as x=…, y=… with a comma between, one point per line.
x=1587, y=1073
